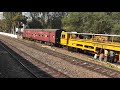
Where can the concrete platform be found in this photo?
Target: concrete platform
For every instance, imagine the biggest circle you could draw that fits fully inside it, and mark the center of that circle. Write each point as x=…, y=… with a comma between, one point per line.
x=8, y=34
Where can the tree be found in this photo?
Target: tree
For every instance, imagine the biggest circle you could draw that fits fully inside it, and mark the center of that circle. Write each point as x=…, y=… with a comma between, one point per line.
x=95, y=22
x=56, y=20
x=116, y=23
x=49, y=19
x=35, y=24
x=13, y=20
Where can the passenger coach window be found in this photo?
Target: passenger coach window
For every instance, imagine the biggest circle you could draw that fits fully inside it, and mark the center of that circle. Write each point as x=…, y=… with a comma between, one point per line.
x=73, y=36
x=53, y=36
x=46, y=35
x=80, y=37
x=63, y=36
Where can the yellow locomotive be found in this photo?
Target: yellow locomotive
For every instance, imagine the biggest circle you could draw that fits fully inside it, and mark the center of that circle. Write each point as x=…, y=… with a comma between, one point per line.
x=91, y=42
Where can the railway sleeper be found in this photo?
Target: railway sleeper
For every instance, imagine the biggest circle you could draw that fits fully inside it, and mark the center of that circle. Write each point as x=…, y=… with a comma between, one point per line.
x=109, y=72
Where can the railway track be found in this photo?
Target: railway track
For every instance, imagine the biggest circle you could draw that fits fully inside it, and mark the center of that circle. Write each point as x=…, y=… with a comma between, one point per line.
x=37, y=73
x=11, y=54
x=91, y=66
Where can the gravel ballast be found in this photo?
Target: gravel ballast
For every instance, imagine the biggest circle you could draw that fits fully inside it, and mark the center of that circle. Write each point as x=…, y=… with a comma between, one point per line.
x=71, y=70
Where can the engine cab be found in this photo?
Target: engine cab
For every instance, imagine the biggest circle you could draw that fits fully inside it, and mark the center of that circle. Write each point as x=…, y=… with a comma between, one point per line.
x=64, y=38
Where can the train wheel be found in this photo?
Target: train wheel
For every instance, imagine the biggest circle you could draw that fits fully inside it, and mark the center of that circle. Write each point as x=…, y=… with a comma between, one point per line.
x=45, y=43
x=39, y=41
x=65, y=47
x=85, y=52
x=75, y=50
x=68, y=48
x=62, y=46
x=51, y=44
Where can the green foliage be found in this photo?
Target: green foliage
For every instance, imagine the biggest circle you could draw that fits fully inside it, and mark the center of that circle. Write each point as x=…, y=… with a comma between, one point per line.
x=49, y=19
x=56, y=23
x=116, y=23
x=12, y=20
x=89, y=22
x=95, y=22
x=35, y=24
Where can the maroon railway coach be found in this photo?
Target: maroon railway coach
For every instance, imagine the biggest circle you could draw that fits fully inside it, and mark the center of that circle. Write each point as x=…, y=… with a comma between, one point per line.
x=50, y=36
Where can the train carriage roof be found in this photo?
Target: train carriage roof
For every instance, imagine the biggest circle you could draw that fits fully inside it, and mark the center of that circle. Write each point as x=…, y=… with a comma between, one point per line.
x=44, y=29
x=108, y=35
x=94, y=34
